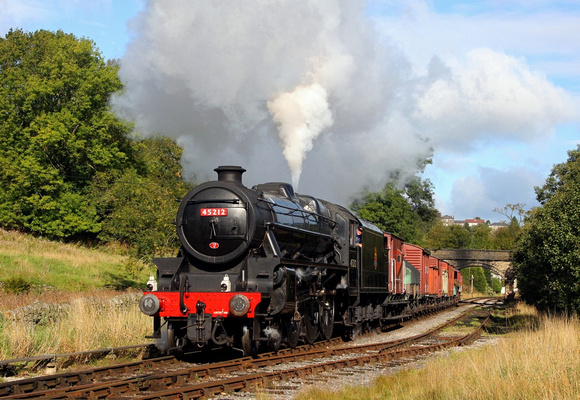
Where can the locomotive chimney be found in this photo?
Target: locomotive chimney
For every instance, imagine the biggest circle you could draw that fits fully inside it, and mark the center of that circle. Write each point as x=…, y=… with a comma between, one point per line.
x=230, y=173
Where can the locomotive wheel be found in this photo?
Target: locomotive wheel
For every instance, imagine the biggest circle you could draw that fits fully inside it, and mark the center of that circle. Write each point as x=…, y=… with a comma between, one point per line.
x=348, y=334
x=274, y=338
x=249, y=346
x=327, y=319
x=311, y=316
x=292, y=331
x=167, y=340
x=246, y=342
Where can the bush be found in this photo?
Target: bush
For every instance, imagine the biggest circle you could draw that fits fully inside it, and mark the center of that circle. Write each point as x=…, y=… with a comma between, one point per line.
x=16, y=285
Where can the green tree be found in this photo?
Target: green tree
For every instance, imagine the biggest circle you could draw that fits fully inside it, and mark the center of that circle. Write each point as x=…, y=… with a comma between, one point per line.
x=398, y=211
x=496, y=285
x=481, y=237
x=435, y=238
x=448, y=237
x=406, y=210
x=479, y=281
x=138, y=205
x=561, y=175
x=419, y=194
x=55, y=131
x=547, y=254
x=505, y=238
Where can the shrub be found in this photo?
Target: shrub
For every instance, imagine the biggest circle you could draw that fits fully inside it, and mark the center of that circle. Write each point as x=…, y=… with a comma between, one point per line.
x=16, y=285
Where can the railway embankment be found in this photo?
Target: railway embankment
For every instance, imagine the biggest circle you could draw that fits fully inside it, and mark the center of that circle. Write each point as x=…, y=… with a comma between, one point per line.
x=523, y=356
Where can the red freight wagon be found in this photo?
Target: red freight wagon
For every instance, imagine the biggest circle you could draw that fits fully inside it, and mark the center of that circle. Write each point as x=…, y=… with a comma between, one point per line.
x=444, y=275
x=447, y=278
x=458, y=286
x=394, y=245
x=418, y=257
x=451, y=279
x=434, y=277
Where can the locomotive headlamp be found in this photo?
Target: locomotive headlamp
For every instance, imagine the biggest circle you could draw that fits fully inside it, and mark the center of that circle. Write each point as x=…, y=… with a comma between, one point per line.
x=149, y=304
x=239, y=305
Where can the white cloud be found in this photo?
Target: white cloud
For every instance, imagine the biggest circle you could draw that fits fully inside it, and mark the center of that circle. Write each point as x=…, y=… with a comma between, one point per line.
x=488, y=95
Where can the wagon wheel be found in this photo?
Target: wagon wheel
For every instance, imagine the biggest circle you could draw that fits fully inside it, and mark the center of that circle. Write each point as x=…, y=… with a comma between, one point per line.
x=311, y=319
x=327, y=319
x=292, y=331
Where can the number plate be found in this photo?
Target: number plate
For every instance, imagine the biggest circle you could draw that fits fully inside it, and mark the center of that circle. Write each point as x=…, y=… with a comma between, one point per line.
x=213, y=212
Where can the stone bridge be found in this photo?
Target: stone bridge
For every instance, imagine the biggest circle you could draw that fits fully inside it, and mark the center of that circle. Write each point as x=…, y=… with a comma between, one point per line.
x=498, y=261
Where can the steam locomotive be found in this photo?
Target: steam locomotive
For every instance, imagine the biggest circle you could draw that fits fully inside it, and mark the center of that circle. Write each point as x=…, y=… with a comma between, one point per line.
x=264, y=267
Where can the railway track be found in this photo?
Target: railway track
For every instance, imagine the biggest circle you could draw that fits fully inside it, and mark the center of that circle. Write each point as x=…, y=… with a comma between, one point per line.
x=485, y=301
x=8, y=367
x=167, y=378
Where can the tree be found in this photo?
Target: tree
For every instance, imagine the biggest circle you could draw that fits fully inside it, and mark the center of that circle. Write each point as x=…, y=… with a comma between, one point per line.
x=513, y=212
x=458, y=237
x=480, y=237
x=561, y=175
x=405, y=212
x=496, y=285
x=138, y=205
x=419, y=194
x=56, y=131
x=505, y=238
x=547, y=255
x=479, y=281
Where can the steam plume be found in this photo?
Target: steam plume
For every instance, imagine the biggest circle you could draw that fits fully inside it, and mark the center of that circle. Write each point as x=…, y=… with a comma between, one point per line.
x=302, y=115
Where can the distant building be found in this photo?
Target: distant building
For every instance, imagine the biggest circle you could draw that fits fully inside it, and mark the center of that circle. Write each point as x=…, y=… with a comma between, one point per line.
x=498, y=225
x=474, y=221
x=448, y=220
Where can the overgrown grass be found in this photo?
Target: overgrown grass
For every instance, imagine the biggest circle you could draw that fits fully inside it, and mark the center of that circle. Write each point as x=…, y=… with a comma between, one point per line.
x=539, y=362
x=55, y=297
x=83, y=324
x=67, y=267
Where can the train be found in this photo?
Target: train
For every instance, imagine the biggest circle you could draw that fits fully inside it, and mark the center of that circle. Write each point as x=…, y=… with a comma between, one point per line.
x=265, y=267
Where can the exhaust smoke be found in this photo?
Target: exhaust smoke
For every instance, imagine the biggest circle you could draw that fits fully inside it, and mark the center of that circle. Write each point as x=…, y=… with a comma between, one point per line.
x=302, y=115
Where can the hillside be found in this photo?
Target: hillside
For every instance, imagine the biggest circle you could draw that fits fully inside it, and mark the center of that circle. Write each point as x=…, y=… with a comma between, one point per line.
x=42, y=269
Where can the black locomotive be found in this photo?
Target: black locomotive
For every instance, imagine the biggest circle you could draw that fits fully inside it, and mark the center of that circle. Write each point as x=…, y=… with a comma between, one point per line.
x=265, y=267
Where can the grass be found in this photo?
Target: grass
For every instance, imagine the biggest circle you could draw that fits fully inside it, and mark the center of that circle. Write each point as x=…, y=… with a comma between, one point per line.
x=540, y=361
x=62, y=297
x=67, y=267
x=83, y=324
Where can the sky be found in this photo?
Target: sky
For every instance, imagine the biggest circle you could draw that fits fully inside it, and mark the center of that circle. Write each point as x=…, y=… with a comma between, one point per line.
x=337, y=97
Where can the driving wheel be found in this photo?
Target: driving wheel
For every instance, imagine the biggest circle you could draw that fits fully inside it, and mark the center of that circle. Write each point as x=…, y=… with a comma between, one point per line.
x=311, y=320
x=292, y=331
x=327, y=319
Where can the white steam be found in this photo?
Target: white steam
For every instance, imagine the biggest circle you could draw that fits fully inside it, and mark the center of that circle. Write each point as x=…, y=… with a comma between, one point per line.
x=272, y=332
x=302, y=115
